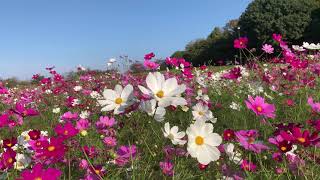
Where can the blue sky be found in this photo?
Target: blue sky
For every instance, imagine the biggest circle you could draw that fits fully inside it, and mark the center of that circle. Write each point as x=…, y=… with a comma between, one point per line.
x=35, y=34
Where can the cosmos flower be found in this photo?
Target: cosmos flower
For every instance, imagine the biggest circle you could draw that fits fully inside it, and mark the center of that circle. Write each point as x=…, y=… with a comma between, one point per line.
x=173, y=134
x=149, y=56
x=233, y=155
x=151, y=65
x=105, y=121
x=22, y=161
x=314, y=105
x=66, y=131
x=228, y=135
x=24, y=112
x=125, y=154
x=267, y=48
x=52, y=151
x=7, y=159
x=240, y=43
x=247, y=139
x=260, y=108
x=167, y=168
x=302, y=137
x=201, y=112
x=248, y=166
x=150, y=107
x=117, y=100
x=202, y=142
x=110, y=141
x=165, y=92
x=9, y=143
x=38, y=173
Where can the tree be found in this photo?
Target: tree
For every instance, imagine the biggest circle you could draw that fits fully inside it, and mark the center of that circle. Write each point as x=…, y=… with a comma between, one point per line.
x=290, y=18
x=312, y=33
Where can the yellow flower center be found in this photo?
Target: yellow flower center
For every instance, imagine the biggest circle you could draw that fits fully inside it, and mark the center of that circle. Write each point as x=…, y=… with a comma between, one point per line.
x=259, y=109
x=66, y=132
x=9, y=144
x=170, y=136
x=38, y=178
x=10, y=160
x=51, y=148
x=27, y=138
x=160, y=94
x=251, y=140
x=97, y=171
x=301, y=139
x=118, y=100
x=283, y=148
x=199, y=140
x=201, y=113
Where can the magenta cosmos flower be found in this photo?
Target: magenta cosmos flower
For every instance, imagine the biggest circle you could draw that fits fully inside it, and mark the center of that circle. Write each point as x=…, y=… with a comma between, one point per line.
x=240, y=43
x=247, y=139
x=66, y=131
x=37, y=173
x=248, y=166
x=258, y=106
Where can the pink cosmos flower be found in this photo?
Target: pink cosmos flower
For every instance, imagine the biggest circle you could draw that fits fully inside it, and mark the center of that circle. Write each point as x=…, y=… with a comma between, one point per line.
x=24, y=112
x=248, y=166
x=314, y=105
x=110, y=141
x=68, y=116
x=82, y=124
x=247, y=139
x=105, y=121
x=66, y=131
x=260, y=108
x=125, y=154
x=267, y=48
x=240, y=43
x=167, y=168
x=38, y=173
x=150, y=65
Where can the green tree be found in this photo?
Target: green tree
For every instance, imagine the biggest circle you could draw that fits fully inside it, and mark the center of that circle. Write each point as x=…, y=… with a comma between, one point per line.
x=287, y=17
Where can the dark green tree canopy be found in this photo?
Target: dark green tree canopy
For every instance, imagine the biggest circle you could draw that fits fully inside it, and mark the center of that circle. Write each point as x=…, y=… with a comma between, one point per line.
x=287, y=17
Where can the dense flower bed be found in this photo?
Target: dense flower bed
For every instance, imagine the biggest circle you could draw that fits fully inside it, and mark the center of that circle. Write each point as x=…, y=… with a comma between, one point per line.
x=255, y=121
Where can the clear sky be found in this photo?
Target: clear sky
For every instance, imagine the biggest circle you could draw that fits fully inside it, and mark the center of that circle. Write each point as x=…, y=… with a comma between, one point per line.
x=35, y=34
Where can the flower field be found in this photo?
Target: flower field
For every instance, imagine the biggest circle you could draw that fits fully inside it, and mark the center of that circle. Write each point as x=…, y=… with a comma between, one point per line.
x=256, y=121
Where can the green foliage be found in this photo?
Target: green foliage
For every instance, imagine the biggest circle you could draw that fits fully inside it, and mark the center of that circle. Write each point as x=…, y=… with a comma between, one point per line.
x=264, y=17
x=296, y=20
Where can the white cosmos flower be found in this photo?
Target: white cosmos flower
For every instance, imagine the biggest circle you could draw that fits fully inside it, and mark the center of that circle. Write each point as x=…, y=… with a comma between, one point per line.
x=298, y=48
x=202, y=142
x=166, y=92
x=311, y=46
x=150, y=108
x=56, y=110
x=117, y=99
x=22, y=162
x=233, y=156
x=112, y=60
x=201, y=112
x=173, y=134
